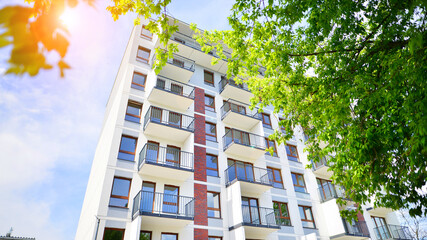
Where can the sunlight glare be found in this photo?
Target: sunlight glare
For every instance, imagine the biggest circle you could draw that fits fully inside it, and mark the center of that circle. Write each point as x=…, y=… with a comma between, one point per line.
x=68, y=18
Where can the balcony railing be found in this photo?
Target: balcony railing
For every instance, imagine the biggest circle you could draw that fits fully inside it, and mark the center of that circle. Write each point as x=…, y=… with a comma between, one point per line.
x=169, y=118
x=330, y=191
x=179, y=61
x=323, y=162
x=259, y=216
x=243, y=138
x=172, y=86
x=248, y=173
x=392, y=232
x=224, y=82
x=356, y=228
x=165, y=156
x=161, y=204
x=240, y=108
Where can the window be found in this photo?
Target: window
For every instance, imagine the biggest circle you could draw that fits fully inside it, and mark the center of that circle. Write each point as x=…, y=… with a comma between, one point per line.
x=211, y=165
x=120, y=192
x=169, y=236
x=241, y=170
x=209, y=78
x=381, y=227
x=113, y=234
x=178, y=63
x=275, y=177
x=145, y=33
x=138, y=81
x=298, y=180
x=133, y=112
x=170, y=199
x=127, y=148
x=175, y=119
x=210, y=130
x=234, y=107
x=292, y=153
x=214, y=238
x=143, y=54
x=250, y=210
x=270, y=143
x=209, y=103
x=326, y=189
x=266, y=122
x=282, y=213
x=180, y=40
x=173, y=155
x=214, y=207
x=148, y=193
x=145, y=235
x=306, y=217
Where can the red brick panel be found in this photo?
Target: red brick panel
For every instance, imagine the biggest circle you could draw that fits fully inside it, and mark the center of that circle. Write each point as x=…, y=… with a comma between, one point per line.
x=200, y=207
x=199, y=163
x=199, y=100
x=199, y=129
x=200, y=234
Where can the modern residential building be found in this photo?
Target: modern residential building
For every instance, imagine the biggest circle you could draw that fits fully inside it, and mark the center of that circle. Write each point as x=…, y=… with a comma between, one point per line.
x=182, y=156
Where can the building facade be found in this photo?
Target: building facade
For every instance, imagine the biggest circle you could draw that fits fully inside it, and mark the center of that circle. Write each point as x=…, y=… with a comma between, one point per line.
x=182, y=156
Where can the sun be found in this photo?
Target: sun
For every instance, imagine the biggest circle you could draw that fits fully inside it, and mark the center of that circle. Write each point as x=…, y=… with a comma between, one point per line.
x=68, y=18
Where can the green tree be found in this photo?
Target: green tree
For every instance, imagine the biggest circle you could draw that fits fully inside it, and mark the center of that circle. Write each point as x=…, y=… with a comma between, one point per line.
x=352, y=74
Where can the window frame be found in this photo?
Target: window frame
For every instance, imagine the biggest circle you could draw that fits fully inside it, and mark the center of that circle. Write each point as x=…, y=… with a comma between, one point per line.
x=132, y=115
x=137, y=84
x=168, y=233
x=210, y=135
x=264, y=124
x=305, y=219
x=117, y=196
x=127, y=152
x=212, y=84
x=150, y=232
x=146, y=36
x=141, y=59
x=267, y=142
x=274, y=179
x=303, y=180
x=290, y=152
x=214, y=237
x=214, y=209
x=115, y=229
x=212, y=169
x=208, y=107
x=280, y=212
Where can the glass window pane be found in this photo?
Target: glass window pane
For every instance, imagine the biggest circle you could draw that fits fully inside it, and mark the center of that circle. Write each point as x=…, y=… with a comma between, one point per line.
x=212, y=173
x=120, y=187
x=284, y=210
x=139, y=79
x=145, y=236
x=128, y=144
x=301, y=212
x=143, y=53
x=166, y=236
x=277, y=176
x=133, y=109
x=211, y=161
x=118, y=202
x=308, y=214
x=113, y=234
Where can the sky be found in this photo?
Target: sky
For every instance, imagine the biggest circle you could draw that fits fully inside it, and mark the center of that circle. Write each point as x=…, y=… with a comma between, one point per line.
x=49, y=126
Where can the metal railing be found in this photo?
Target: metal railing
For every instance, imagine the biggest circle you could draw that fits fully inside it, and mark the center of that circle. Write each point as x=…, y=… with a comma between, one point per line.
x=323, y=162
x=259, y=216
x=224, y=82
x=179, y=61
x=165, y=156
x=238, y=107
x=356, y=228
x=169, y=205
x=329, y=191
x=248, y=173
x=392, y=232
x=243, y=138
x=172, y=86
x=166, y=117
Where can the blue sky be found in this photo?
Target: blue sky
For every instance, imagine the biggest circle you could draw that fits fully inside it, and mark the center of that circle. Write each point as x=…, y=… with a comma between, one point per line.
x=49, y=126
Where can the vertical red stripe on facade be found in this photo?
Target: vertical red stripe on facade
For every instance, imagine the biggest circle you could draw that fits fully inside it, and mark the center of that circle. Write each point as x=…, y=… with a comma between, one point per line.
x=200, y=163
x=201, y=205
x=199, y=100
x=199, y=129
x=200, y=234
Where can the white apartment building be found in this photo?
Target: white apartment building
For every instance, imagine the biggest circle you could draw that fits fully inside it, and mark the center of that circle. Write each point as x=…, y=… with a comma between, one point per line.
x=181, y=156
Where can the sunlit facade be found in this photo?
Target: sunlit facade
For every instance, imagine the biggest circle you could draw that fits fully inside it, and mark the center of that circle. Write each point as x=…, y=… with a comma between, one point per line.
x=182, y=156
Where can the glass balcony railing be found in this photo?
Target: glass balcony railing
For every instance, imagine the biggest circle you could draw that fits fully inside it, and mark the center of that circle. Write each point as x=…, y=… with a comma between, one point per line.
x=172, y=86
x=169, y=118
x=160, y=204
x=392, y=232
x=248, y=173
x=328, y=191
x=240, y=108
x=224, y=82
x=243, y=138
x=259, y=216
x=356, y=228
x=165, y=156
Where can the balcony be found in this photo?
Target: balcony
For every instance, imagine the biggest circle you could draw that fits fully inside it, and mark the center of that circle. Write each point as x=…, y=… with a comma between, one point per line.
x=258, y=222
x=159, y=209
x=330, y=191
x=162, y=123
x=178, y=67
x=321, y=167
x=234, y=112
x=379, y=211
x=243, y=144
x=392, y=232
x=172, y=93
x=355, y=230
x=228, y=88
x=253, y=180
x=165, y=162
